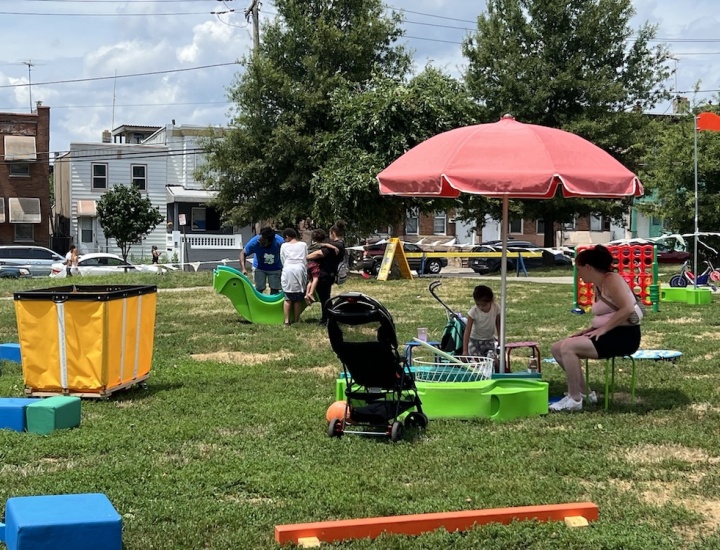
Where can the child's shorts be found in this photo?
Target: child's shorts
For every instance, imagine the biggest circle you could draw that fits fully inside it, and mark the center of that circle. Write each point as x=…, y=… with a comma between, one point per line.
x=313, y=268
x=480, y=348
x=294, y=296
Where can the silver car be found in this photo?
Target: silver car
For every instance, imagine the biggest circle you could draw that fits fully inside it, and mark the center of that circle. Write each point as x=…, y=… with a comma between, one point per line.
x=37, y=259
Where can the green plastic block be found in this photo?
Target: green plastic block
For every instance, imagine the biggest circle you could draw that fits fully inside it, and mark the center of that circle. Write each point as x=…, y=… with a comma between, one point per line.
x=698, y=296
x=54, y=413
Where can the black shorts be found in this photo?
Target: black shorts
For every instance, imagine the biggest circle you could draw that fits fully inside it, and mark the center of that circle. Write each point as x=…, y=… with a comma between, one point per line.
x=617, y=342
x=294, y=296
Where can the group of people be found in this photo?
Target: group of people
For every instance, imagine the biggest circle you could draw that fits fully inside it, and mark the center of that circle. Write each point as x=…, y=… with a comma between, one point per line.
x=614, y=331
x=286, y=263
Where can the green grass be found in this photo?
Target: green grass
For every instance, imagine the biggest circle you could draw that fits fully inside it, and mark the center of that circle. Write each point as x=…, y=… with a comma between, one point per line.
x=214, y=453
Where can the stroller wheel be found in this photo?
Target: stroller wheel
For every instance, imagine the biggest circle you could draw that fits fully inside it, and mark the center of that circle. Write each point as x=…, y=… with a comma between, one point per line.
x=416, y=420
x=335, y=428
x=396, y=432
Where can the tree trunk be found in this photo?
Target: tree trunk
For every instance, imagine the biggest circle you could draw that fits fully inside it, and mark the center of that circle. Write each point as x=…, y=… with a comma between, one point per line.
x=549, y=237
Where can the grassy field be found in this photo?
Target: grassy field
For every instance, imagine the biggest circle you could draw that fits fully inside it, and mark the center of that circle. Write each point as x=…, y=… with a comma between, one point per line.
x=229, y=437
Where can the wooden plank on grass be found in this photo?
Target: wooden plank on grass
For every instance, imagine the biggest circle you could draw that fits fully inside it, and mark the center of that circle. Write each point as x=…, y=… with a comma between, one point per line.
x=415, y=524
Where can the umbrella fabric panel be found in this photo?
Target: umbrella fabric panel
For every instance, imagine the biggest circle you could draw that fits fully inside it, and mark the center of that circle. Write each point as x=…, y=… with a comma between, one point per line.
x=508, y=158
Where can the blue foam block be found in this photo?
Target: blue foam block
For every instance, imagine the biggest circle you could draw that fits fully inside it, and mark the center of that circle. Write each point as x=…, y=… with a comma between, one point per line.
x=62, y=522
x=12, y=413
x=10, y=352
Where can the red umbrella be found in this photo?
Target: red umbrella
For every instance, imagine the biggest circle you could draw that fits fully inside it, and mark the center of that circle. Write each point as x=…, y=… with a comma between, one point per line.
x=508, y=160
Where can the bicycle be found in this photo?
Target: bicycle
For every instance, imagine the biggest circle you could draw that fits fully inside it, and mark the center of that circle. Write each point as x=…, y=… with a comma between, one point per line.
x=686, y=276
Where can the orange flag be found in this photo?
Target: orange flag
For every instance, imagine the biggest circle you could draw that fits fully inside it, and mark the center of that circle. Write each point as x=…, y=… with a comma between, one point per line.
x=708, y=121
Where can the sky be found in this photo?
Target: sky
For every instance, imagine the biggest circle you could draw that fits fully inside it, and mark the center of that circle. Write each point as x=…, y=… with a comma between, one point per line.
x=100, y=64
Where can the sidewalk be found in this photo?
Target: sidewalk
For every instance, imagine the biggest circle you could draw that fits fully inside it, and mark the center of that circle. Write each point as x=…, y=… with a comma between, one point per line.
x=451, y=271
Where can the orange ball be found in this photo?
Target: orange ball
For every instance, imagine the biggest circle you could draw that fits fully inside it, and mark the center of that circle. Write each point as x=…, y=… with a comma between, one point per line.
x=339, y=410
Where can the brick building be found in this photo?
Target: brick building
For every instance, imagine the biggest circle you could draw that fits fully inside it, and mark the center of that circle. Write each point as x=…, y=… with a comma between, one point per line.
x=24, y=177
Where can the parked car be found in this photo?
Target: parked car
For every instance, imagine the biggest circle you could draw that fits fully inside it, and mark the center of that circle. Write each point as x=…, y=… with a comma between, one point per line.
x=37, y=259
x=101, y=263
x=665, y=254
x=373, y=255
x=10, y=270
x=491, y=265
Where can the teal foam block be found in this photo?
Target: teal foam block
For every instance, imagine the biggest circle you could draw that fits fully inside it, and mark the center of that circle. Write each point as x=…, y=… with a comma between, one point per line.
x=62, y=522
x=54, y=413
x=10, y=352
x=12, y=412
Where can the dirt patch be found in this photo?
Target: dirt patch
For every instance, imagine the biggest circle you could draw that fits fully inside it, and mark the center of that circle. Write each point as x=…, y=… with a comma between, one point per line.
x=241, y=357
x=682, y=321
x=652, y=454
x=703, y=408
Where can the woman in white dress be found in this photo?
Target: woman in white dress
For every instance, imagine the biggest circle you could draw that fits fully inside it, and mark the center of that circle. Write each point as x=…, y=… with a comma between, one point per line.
x=293, y=255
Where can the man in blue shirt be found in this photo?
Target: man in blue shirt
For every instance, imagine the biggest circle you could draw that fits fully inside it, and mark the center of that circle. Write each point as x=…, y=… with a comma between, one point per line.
x=267, y=267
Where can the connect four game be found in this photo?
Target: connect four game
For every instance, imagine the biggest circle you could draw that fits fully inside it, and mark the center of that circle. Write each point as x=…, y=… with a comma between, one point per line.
x=636, y=264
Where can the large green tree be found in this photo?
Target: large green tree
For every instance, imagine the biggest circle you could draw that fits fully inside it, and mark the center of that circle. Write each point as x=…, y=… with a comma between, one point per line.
x=264, y=166
x=127, y=216
x=377, y=123
x=570, y=64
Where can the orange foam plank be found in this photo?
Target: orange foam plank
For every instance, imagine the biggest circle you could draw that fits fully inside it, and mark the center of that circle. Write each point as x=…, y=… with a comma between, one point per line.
x=415, y=524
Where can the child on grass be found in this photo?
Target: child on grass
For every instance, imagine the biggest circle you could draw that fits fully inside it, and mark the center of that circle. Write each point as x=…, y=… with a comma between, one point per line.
x=483, y=324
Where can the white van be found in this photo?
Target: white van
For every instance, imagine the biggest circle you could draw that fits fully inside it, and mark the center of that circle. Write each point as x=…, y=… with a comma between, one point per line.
x=37, y=259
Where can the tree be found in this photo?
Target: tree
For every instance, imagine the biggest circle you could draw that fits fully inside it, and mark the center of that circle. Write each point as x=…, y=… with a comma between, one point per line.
x=378, y=122
x=264, y=166
x=575, y=65
x=669, y=175
x=126, y=216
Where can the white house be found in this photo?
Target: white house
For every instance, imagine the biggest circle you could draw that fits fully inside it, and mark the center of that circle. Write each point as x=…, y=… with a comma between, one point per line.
x=161, y=161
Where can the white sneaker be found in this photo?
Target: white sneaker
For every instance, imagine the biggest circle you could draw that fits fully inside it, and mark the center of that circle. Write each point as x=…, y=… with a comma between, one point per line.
x=592, y=399
x=567, y=403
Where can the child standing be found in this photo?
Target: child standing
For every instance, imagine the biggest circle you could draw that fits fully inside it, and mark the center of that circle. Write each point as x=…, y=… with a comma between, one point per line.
x=483, y=323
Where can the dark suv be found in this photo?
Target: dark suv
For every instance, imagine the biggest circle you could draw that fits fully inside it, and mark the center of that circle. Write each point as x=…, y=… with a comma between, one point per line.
x=373, y=255
x=491, y=265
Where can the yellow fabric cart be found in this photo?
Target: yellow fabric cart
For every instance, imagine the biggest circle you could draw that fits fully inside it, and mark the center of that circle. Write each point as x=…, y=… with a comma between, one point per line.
x=85, y=340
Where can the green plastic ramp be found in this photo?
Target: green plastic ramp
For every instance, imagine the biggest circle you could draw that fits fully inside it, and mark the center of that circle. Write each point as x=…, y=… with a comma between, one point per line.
x=261, y=309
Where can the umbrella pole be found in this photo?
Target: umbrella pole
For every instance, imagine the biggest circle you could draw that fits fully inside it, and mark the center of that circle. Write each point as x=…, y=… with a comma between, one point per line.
x=503, y=279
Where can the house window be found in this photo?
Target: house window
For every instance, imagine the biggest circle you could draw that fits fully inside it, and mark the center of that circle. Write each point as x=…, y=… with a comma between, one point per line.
x=139, y=176
x=19, y=169
x=198, y=219
x=540, y=227
x=440, y=223
x=569, y=226
x=99, y=176
x=599, y=223
x=86, y=230
x=24, y=232
x=411, y=222
x=515, y=226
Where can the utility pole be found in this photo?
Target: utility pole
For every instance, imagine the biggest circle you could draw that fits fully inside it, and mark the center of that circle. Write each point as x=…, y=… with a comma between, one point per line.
x=253, y=11
x=29, y=66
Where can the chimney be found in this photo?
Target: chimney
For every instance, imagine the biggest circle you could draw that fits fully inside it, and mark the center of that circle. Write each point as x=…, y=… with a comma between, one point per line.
x=106, y=136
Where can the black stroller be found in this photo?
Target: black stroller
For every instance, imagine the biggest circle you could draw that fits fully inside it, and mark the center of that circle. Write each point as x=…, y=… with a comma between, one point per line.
x=452, y=336
x=379, y=384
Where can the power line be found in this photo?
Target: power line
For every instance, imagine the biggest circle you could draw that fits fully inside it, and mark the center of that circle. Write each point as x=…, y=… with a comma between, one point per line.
x=154, y=14
x=93, y=79
x=56, y=107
